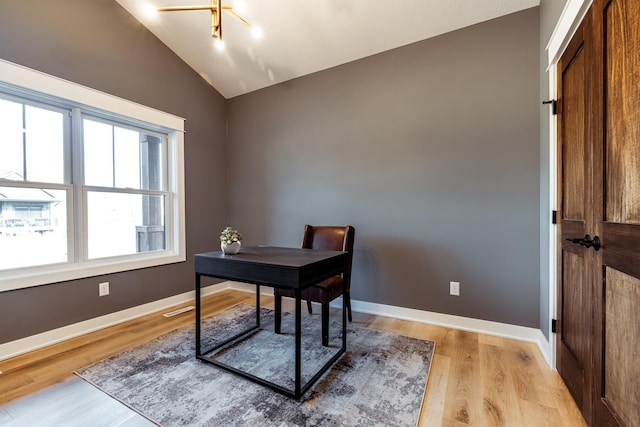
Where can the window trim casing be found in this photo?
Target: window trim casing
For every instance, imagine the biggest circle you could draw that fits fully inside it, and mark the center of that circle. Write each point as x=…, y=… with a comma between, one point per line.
x=50, y=86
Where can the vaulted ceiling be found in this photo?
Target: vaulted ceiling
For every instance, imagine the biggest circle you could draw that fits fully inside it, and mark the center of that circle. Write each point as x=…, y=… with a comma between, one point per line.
x=300, y=37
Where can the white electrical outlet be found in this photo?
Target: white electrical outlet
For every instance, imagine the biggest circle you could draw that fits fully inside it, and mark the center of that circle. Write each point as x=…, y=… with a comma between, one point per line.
x=103, y=289
x=454, y=288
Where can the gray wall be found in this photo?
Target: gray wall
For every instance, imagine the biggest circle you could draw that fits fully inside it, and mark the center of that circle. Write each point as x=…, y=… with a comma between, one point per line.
x=550, y=11
x=98, y=44
x=432, y=151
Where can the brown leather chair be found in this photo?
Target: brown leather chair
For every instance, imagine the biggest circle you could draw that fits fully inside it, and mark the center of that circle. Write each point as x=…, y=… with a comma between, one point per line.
x=333, y=238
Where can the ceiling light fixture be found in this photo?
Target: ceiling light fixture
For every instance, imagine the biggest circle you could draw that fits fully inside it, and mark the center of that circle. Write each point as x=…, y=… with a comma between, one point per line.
x=216, y=8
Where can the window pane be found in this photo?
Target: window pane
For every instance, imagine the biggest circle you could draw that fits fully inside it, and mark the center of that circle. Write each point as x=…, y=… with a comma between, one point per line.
x=119, y=157
x=44, y=145
x=33, y=227
x=12, y=151
x=124, y=224
x=127, y=158
x=98, y=153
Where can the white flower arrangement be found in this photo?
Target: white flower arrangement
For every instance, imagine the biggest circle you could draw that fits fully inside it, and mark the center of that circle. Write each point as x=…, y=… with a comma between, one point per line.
x=230, y=235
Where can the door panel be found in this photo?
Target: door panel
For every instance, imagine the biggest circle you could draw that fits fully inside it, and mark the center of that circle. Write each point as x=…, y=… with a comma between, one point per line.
x=622, y=331
x=574, y=292
x=573, y=125
x=574, y=344
x=622, y=93
x=575, y=337
x=616, y=137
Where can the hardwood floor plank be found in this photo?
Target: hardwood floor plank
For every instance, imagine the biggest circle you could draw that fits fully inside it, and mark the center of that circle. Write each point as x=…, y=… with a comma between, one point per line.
x=500, y=404
x=563, y=401
x=463, y=404
x=433, y=406
x=475, y=379
x=525, y=372
x=540, y=415
x=447, y=422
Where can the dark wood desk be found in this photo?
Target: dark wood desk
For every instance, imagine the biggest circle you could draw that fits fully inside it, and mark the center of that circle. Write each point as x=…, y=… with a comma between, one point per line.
x=288, y=268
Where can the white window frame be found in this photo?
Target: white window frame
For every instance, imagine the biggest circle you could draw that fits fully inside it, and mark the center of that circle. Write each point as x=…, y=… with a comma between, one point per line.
x=14, y=75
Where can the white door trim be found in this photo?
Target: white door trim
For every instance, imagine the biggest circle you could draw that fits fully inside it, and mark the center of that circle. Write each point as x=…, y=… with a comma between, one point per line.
x=570, y=19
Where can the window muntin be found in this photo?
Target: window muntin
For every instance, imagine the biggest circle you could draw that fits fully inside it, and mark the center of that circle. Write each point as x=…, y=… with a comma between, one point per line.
x=160, y=187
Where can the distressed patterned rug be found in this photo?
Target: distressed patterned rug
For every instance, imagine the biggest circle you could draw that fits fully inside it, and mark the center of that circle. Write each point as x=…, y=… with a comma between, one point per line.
x=380, y=380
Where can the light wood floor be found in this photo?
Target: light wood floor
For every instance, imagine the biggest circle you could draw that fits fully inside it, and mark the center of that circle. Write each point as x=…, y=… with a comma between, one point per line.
x=475, y=379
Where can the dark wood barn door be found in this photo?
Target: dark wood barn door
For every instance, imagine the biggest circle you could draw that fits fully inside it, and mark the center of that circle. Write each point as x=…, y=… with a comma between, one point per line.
x=605, y=378
x=575, y=190
x=616, y=136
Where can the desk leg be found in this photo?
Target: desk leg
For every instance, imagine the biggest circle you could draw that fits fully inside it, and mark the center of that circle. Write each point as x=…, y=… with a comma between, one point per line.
x=344, y=320
x=197, y=314
x=298, y=343
x=258, y=305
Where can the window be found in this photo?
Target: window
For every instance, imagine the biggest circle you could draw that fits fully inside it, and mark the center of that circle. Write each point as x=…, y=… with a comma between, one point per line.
x=34, y=194
x=125, y=189
x=88, y=186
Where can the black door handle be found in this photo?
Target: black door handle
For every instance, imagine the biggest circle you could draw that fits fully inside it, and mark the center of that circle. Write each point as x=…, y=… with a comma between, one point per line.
x=587, y=242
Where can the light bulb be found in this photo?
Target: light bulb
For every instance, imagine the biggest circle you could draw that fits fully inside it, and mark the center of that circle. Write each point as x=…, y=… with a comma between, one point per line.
x=219, y=45
x=257, y=32
x=149, y=11
x=239, y=6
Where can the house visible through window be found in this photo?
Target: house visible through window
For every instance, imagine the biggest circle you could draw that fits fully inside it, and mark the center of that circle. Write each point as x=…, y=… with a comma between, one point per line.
x=84, y=191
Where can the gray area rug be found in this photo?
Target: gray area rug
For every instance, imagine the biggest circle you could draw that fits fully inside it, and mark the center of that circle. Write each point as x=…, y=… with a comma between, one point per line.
x=380, y=380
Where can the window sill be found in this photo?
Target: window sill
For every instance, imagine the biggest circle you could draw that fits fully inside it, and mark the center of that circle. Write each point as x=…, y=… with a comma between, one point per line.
x=44, y=275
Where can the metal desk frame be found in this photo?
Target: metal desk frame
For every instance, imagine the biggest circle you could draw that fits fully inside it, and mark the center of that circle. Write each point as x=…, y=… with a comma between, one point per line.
x=288, y=268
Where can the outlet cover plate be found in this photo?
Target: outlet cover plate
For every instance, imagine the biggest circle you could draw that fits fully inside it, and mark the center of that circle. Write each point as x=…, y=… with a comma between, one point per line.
x=103, y=289
x=454, y=288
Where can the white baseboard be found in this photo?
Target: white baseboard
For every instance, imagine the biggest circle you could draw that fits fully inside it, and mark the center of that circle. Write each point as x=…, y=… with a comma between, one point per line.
x=54, y=336
x=505, y=330
x=521, y=333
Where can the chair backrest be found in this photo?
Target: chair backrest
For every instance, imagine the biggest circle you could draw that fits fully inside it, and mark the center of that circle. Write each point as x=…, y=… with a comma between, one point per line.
x=331, y=238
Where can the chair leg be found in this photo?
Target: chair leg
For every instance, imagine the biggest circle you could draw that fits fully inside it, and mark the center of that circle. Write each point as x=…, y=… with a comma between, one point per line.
x=349, y=307
x=325, y=324
x=277, y=302
x=309, y=307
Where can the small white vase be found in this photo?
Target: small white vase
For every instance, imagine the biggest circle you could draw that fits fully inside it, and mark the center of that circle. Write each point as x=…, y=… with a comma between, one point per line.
x=231, y=248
